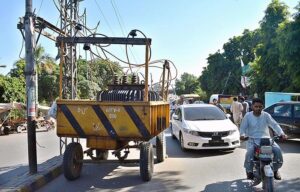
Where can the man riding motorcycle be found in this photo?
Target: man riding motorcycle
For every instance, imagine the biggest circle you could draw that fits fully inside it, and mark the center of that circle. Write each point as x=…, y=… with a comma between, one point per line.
x=255, y=125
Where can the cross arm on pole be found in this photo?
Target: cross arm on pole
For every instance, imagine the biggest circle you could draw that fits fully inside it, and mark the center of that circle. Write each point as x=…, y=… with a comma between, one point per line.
x=104, y=40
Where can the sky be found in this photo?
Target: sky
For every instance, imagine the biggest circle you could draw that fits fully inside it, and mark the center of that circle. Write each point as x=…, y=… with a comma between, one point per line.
x=183, y=31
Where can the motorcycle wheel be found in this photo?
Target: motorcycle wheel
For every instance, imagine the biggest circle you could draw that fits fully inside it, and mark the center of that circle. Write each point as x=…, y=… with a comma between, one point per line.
x=268, y=184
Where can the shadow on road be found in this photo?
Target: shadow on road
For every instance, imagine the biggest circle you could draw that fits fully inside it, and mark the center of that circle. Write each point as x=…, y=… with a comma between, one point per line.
x=113, y=177
x=10, y=172
x=241, y=185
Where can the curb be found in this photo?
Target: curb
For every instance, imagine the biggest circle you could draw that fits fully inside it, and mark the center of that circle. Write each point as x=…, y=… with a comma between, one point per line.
x=21, y=180
x=41, y=180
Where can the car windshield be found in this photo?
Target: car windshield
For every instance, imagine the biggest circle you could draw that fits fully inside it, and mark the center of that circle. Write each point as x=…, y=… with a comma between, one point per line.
x=203, y=113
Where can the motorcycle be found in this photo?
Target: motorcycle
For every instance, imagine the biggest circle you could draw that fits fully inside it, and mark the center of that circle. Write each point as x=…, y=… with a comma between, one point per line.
x=263, y=163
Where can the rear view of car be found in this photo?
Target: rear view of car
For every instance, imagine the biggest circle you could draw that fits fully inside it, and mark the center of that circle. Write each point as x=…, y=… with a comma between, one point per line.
x=287, y=115
x=204, y=126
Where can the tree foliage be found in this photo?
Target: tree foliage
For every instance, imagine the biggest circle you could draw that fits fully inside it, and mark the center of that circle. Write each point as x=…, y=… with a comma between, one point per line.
x=12, y=87
x=95, y=75
x=187, y=84
x=272, y=51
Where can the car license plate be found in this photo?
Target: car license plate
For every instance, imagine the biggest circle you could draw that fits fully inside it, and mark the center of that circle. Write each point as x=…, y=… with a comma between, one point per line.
x=216, y=140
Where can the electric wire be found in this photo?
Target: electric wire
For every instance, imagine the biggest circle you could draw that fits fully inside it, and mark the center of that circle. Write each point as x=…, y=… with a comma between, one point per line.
x=122, y=23
x=40, y=7
x=105, y=52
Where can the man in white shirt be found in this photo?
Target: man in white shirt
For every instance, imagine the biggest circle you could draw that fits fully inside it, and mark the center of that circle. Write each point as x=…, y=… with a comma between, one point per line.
x=236, y=109
x=255, y=125
x=245, y=106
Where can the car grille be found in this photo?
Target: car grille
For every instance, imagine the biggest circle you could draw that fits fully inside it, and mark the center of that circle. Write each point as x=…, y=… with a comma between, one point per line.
x=215, y=145
x=211, y=134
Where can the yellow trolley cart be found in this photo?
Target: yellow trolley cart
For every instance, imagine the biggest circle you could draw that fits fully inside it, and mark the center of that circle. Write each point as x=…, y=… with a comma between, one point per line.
x=123, y=113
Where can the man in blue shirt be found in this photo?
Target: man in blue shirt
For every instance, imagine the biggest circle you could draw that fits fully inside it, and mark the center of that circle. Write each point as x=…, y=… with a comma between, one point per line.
x=255, y=125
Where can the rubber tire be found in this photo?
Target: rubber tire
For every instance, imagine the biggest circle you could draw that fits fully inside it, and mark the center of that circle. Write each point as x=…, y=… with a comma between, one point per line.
x=146, y=161
x=173, y=136
x=6, y=131
x=101, y=154
x=181, y=142
x=268, y=184
x=72, y=169
x=160, y=147
x=19, y=129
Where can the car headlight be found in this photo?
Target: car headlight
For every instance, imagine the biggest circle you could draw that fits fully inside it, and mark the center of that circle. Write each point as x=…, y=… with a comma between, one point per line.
x=232, y=131
x=191, y=132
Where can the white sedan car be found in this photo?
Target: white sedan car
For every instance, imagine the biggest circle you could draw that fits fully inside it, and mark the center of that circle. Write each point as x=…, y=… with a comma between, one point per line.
x=204, y=126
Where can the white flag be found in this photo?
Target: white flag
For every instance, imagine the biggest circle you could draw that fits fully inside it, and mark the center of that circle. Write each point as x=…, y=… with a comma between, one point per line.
x=244, y=79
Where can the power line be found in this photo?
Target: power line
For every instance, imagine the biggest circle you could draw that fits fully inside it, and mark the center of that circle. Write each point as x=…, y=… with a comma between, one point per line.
x=120, y=21
x=118, y=18
x=40, y=7
x=106, y=21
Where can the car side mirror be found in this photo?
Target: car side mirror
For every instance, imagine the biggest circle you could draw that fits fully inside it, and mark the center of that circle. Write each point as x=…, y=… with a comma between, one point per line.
x=175, y=117
x=228, y=115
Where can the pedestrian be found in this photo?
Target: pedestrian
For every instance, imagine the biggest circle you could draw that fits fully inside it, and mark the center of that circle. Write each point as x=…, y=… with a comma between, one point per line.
x=173, y=107
x=245, y=106
x=215, y=102
x=255, y=125
x=236, y=109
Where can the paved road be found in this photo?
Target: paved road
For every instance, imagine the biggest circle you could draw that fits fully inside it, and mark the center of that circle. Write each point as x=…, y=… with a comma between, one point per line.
x=209, y=171
x=14, y=148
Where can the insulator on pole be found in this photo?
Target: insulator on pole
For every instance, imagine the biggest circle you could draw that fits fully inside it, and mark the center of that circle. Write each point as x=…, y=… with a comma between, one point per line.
x=124, y=80
x=134, y=79
x=115, y=79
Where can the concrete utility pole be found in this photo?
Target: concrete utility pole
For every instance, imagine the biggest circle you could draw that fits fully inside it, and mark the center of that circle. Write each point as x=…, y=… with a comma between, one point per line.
x=30, y=71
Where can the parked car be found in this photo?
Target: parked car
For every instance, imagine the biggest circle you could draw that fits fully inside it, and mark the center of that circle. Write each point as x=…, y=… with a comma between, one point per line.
x=287, y=114
x=204, y=126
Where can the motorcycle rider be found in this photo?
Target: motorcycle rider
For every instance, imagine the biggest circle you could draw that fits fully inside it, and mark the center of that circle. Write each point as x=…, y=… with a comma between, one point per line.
x=255, y=125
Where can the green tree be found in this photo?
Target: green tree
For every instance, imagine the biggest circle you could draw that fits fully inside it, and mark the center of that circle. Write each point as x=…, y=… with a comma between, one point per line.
x=288, y=42
x=13, y=89
x=95, y=75
x=268, y=66
x=48, y=76
x=13, y=85
x=187, y=84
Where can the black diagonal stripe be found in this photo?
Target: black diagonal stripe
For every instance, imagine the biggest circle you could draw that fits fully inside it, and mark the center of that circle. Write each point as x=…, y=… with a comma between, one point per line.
x=137, y=121
x=73, y=121
x=108, y=126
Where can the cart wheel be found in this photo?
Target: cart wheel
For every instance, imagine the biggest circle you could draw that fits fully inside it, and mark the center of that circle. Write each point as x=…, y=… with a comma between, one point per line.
x=160, y=147
x=101, y=154
x=72, y=162
x=6, y=131
x=19, y=129
x=146, y=161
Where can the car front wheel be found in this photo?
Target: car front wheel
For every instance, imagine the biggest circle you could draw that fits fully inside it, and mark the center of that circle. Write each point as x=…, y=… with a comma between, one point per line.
x=172, y=132
x=182, y=142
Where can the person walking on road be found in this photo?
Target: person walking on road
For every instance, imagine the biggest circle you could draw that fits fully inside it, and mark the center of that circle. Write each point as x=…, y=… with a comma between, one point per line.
x=215, y=102
x=245, y=106
x=236, y=109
